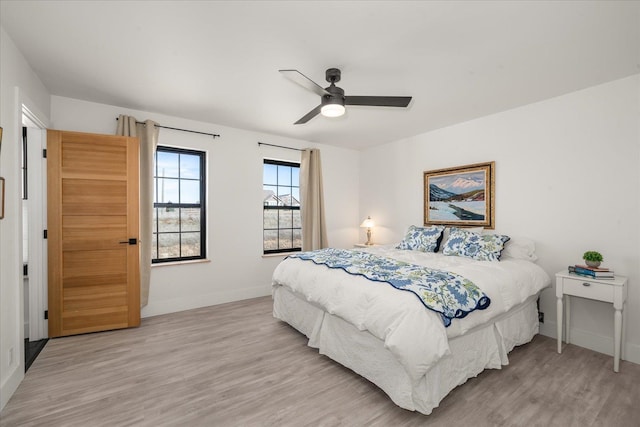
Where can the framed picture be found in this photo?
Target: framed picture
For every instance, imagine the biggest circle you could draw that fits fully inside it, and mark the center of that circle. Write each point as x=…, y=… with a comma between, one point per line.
x=1, y=198
x=461, y=196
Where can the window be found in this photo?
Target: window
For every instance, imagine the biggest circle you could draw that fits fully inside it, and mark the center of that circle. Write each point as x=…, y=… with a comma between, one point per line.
x=282, y=227
x=179, y=210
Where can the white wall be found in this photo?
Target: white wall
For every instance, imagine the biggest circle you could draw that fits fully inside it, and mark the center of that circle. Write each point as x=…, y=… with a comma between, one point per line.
x=237, y=269
x=567, y=176
x=18, y=85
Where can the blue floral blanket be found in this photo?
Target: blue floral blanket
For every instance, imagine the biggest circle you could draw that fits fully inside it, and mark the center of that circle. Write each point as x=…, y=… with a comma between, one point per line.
x=449, y=294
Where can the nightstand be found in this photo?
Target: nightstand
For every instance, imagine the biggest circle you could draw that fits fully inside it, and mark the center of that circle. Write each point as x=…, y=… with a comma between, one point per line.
x=363, y=245
x=608, y=290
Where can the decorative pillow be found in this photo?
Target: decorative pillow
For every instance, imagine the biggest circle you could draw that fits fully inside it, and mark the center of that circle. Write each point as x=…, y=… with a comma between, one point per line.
x=425, y=239
x=487, y=247
x=447, y=231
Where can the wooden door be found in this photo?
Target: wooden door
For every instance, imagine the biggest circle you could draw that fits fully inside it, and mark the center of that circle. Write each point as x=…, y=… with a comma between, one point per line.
x=93, y=192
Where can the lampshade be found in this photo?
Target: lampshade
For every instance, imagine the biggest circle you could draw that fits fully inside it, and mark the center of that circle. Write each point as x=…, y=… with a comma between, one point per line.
x=332, y=110
x=367, y=223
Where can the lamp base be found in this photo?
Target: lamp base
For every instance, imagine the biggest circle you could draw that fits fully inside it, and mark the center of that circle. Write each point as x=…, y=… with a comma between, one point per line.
x=369, y=242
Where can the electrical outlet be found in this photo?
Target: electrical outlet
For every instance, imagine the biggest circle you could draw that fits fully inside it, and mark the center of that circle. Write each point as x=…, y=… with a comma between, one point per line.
x=540, y=317
x=11, y=356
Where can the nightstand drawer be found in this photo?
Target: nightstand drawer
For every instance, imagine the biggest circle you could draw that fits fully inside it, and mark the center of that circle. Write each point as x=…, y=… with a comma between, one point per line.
x=585, y=288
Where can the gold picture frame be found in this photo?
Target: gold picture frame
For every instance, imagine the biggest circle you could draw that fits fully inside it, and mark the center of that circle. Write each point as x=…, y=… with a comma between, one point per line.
x=462, y=196
x=1, y=184
x=1, y=198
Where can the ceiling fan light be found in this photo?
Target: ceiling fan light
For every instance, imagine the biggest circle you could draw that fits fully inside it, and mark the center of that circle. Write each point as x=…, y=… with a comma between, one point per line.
x=332, y=110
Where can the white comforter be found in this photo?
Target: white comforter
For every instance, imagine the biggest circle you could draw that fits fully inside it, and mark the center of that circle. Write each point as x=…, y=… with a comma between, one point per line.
x=414, y=334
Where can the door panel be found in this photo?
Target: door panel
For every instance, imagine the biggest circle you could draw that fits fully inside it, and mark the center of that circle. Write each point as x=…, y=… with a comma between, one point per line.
x=98, y=196
x=79, y=158
x=93, y=212
x=93, y=231
x=84, y=298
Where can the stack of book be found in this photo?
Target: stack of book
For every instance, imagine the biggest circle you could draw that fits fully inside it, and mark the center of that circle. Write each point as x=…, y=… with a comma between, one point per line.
x=592, y=272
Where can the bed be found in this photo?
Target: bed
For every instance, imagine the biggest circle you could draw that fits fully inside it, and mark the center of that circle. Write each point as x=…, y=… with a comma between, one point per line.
x=391, y=337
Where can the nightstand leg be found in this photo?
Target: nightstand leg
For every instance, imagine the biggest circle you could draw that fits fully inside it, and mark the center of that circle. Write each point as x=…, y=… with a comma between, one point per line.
x=624, y=332
x=567, y=321
x=617, y=338
x=559, y=323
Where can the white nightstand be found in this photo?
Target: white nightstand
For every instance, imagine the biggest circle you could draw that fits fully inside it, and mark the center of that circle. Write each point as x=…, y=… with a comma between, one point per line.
x=363, y=245
x=608, y=290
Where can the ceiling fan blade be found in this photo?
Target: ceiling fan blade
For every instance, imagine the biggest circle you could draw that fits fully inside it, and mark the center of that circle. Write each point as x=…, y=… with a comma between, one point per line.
x=304, y=81
x=310, y=115
x=378, y=101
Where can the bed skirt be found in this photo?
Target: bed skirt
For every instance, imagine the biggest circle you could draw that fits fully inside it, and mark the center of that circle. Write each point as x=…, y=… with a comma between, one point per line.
x=485, y=347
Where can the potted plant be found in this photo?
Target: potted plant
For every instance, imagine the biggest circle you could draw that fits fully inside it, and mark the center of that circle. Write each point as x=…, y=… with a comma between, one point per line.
x=592, y=258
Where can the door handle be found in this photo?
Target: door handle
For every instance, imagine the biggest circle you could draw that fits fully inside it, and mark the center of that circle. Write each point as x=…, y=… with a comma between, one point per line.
x=132, y=241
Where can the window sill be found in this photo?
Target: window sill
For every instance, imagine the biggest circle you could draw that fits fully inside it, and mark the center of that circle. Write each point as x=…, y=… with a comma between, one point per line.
x=280, y=254
x=192, y=261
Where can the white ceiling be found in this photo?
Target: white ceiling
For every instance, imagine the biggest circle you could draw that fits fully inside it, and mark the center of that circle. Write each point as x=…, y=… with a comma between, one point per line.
x=218, y=61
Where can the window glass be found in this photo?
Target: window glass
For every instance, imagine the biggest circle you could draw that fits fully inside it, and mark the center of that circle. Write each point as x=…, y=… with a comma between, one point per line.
x=189, y=191
x=167, y=190
x=190, y=166
x=167, y=164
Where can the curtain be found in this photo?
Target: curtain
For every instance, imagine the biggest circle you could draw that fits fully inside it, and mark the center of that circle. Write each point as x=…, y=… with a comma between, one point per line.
x=314, y=229
x=147, y=133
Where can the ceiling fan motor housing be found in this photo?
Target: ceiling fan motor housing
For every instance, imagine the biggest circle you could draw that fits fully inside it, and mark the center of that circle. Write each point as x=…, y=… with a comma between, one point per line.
x=336, y=96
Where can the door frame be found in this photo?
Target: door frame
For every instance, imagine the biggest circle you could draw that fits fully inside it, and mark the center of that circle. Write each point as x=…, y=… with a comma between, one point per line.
x=37, y=223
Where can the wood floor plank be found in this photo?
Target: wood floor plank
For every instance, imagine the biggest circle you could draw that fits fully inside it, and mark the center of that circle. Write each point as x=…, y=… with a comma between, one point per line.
x=234, y=365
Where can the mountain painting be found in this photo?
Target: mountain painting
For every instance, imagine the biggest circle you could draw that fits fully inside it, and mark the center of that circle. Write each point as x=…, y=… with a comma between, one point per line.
x=459, y=196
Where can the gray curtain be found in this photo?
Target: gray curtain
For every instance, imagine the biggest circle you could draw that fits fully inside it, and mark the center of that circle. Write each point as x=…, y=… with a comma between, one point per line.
x=314, y=229
x=147, y=133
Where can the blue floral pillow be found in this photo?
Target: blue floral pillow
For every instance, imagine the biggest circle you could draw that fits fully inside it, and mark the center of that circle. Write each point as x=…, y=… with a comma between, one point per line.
x=481, y=247
x=425, y=239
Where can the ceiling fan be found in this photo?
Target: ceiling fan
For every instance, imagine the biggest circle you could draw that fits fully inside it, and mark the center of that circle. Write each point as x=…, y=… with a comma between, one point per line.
x=332, y=98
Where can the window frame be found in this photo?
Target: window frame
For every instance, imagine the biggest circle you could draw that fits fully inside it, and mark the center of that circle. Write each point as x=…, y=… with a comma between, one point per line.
x=202, y=205
x=292, y=164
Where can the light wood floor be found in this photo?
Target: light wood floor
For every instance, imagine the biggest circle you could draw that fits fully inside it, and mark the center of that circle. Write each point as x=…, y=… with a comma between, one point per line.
x=234, y=365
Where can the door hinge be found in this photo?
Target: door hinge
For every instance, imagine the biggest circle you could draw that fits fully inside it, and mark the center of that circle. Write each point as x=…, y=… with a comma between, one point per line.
x=46, y=315
x=44, y=153
x=25, y=270
x=45, y=234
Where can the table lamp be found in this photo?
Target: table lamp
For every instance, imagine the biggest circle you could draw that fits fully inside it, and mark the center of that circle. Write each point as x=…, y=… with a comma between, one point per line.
x=368, y=224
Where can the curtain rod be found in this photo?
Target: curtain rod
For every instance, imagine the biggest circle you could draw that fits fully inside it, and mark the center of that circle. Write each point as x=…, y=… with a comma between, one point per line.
x=214, y=135
x=279, y=146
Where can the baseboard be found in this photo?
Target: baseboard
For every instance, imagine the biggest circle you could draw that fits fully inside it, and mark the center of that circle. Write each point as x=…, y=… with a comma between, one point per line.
x=187, y=303
x=599, y=343
x=10, y=385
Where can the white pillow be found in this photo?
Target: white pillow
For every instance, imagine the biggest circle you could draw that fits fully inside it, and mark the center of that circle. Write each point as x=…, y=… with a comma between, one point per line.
x=520, y=248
